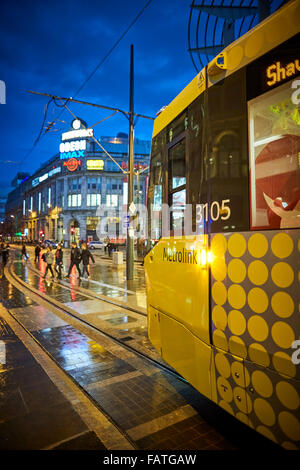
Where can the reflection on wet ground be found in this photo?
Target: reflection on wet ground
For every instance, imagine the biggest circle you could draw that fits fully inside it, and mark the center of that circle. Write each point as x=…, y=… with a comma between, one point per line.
x=33, y=412
x=105, y=279
x=11, y=297
x=109, y=318
x=155, y=408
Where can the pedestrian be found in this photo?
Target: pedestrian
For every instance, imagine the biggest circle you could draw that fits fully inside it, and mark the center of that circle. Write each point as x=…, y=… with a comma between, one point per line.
x=49, y=260
x=75, y=259
x=2, y=248
x=5, y=254
x=24, y=252
x=58, y=260
x=106, y=242
x=85, y=256
x=37, y=253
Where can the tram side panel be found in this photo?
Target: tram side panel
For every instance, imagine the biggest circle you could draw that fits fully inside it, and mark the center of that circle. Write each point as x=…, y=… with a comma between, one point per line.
x=255, y=319
x=178, y=308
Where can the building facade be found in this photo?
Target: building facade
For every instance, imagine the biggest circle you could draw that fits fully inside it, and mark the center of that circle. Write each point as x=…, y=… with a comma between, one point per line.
x=69, y=196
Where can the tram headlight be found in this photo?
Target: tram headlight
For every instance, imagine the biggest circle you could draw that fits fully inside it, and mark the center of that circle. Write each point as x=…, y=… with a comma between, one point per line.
x=205, y=257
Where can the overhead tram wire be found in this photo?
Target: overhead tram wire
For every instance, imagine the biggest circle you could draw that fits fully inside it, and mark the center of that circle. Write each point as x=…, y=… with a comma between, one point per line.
x=88, y=78
x=116, y=110
x=39, y=136
x=97, y=142
x=113, y=47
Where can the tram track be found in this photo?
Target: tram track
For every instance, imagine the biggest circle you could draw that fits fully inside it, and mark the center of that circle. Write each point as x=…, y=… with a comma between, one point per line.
x=139, y=361
x=14, y=279
x=92, y=295
x=54, y=305
x=80, y=322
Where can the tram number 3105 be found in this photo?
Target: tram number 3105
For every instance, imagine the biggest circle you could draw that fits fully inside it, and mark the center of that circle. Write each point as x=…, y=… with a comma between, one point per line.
x=213, y=211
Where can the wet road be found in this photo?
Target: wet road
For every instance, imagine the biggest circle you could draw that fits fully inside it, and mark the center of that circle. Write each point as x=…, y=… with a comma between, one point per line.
x=153, y=408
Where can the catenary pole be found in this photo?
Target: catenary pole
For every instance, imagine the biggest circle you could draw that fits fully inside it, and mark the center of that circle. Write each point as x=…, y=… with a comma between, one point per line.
x=130, y=229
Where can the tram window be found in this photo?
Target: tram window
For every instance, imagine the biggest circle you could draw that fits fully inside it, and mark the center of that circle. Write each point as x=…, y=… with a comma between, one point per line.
x=177, y=165
x=155, y=192
x=156, y=181
x=178, y=202
x=178, y=126
x=177, y=182
x=225, y=173
x=274, y=140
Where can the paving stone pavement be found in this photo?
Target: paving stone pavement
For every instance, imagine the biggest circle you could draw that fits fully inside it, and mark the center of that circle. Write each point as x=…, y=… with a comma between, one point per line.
x=154, y=408
x=34, y=414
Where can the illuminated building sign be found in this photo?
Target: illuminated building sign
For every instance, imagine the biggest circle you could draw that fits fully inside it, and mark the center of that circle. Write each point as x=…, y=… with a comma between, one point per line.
x=54, y=171
x=277, y=72
x=68, y=155
x=73, y=149
x=72, y=164
x=77, y=134
x=44, y=177
x=95, y=164
x=40, y=179
x=71, y=146
x=137, y=166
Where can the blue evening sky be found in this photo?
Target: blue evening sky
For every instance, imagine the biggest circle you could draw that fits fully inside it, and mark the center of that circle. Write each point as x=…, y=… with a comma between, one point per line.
x=53, y=46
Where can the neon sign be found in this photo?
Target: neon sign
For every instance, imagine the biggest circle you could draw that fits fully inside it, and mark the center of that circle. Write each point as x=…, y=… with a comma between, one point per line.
x=77, y=134
x=71, y=146
x=44, y=177
x=278, y=72
x=95, y=164
x=68, y=155
x=137, y=166
x=72, y=164
x=54, y=171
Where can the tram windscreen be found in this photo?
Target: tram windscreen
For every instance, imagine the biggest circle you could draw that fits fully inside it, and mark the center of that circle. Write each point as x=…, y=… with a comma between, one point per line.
x=274, y=140
x=155, y=197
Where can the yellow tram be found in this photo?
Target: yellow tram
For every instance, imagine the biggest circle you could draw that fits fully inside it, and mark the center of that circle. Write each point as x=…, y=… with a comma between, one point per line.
x=224, y=209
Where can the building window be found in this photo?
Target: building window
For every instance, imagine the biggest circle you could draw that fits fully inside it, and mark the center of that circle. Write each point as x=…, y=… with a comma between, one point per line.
x=74, y=184
x=112, y=200
x=93, y=200
x=74, y=200
x=112, y=185
x=40, y=202
x=31, y=203
x=94, y=183
x=111, y=166
x=24, y=207
x=49, y=197
x=274, y=139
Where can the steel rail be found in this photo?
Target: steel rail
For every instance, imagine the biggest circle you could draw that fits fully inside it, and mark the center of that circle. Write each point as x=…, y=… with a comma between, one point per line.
x=70, y=312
